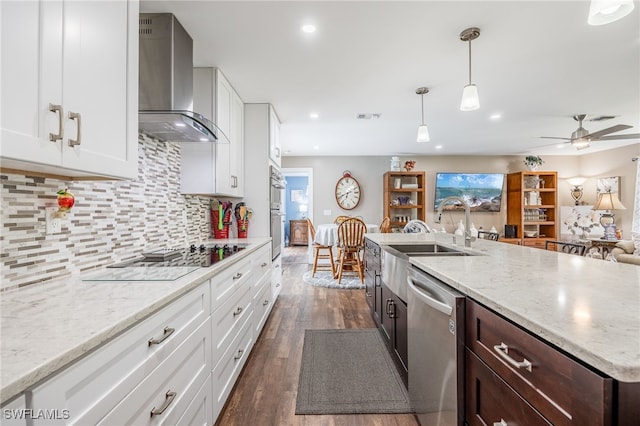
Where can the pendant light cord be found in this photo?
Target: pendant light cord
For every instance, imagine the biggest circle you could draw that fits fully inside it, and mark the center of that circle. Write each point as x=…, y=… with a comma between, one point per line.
x=469, y=61
x=422, y=98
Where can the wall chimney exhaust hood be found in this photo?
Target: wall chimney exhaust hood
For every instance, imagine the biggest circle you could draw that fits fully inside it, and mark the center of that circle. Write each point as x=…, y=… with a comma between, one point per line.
x=166, y=84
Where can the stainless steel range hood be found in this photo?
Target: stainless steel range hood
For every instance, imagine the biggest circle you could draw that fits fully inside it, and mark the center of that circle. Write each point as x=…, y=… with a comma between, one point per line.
x=166, y=84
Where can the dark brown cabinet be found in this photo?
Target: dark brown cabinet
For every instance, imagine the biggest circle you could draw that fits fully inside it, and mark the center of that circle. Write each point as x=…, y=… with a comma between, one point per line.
x=394, y=326
x=530, y=379
x=298, y=233
x=373, y=279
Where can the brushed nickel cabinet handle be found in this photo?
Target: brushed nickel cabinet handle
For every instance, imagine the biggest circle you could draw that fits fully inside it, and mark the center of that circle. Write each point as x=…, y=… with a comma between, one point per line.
x=238, y=311
x=237, y=276
x=57, y=109
x=263, y=264
x=168, y=331
x=239, y=355
x=503, y=351
x=265, y=303
x=76, y=116
x=169, y=397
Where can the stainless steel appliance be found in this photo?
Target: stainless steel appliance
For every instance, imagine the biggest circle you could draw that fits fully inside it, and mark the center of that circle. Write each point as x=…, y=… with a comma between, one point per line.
x=276, y=189
x=166, y=84
x=436, y=348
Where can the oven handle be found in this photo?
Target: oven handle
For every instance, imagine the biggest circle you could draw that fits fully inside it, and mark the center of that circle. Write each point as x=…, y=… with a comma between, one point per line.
x=277, y=185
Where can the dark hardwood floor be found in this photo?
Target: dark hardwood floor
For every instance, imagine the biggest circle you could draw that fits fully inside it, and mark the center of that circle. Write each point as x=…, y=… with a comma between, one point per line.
x=265, y=393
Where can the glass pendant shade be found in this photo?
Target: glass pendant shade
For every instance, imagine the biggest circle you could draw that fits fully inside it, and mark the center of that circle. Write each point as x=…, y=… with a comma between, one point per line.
x=470, y=99
x=423, y=133
x=603, y=12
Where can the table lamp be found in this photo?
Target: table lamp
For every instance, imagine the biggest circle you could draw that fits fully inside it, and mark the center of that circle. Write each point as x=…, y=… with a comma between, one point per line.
x=576, y=191
x=302, y=208
x=608, y=201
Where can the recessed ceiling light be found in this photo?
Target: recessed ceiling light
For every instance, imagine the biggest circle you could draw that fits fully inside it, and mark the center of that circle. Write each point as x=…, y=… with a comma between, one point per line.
x=180, y=124
x=308, y=28
x=203, y=139
x=314, y=115
x=495, y=116
x=316, y=147
x=438, y=146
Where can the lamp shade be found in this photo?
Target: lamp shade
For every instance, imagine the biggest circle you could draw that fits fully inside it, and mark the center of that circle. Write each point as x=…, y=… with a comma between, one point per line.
x=576, y=181
x=470, y=99
x=608, y=201
x=603, y=12
x=423, y=133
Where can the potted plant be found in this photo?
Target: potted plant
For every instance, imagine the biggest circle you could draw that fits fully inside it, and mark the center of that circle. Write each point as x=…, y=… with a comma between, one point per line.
x=533, y=161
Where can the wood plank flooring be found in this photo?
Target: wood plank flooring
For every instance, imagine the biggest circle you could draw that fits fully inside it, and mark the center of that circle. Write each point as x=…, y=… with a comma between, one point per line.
x=265, y=394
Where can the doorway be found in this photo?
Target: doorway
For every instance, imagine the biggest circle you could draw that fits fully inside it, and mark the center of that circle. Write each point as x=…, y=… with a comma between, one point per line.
x=298, y=200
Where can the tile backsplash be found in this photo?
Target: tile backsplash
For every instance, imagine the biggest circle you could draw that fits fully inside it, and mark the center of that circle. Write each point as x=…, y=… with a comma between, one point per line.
x=111, y=221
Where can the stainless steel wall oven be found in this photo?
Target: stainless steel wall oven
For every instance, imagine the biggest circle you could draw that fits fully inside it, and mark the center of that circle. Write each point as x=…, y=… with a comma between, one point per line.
x=277, y=186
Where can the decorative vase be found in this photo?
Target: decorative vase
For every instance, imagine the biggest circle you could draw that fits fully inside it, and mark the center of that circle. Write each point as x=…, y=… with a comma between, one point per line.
x=532, y=166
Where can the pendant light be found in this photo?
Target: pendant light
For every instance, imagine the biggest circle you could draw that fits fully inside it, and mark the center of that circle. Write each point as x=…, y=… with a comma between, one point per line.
x=470, y=100
x=423, y=130
x=603, y=12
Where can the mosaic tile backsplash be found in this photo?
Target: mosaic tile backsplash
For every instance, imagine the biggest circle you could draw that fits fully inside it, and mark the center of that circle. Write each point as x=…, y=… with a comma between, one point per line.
x=111, y=221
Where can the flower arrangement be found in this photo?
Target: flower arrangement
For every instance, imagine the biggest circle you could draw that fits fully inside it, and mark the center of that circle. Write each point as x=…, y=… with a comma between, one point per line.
x=533, y=161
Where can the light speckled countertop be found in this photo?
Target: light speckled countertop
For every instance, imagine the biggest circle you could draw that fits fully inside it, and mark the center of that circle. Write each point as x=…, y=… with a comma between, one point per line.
x=589, y=308
x=45, y=327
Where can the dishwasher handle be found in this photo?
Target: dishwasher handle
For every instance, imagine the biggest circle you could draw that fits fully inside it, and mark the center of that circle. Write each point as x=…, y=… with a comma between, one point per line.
x=428, y=299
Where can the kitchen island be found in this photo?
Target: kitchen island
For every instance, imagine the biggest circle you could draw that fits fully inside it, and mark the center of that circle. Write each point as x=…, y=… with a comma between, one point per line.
x=586, y=308
x=47, y=327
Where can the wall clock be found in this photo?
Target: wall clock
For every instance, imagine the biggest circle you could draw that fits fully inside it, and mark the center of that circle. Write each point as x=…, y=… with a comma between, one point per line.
x=348, y=191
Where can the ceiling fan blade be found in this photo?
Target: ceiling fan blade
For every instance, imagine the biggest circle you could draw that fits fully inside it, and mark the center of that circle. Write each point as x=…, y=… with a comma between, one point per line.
x=614, y=138
x=612, y=129
x=551, y=137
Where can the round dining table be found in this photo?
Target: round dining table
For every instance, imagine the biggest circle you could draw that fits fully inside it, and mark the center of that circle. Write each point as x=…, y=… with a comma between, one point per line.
x=327, y=234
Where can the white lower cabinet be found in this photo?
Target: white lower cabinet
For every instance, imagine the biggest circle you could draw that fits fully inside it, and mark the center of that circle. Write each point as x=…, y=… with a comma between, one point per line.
x=91, y=387
x=262, y=302
x=200, y=411
x=276, y=277
x=228, y=368
x=164, y=395
x=14, y=412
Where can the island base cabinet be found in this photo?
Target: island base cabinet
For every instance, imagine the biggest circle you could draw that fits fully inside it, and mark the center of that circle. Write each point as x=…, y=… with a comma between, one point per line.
x=562, y=389
x=200, y=411
x=395, y=329
x=490, y=401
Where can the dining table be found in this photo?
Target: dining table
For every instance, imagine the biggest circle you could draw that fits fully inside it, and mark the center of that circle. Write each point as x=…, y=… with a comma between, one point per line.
x=327, y=234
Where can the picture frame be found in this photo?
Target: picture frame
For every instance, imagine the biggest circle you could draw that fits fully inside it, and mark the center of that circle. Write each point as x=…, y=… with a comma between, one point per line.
x=606, y=184
x=297, y=195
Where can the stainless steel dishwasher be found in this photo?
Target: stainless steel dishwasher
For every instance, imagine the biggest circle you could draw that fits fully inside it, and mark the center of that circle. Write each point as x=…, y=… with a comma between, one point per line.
x=436, y=348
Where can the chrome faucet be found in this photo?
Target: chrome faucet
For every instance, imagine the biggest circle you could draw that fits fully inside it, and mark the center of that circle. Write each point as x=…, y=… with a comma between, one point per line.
x=467, y=217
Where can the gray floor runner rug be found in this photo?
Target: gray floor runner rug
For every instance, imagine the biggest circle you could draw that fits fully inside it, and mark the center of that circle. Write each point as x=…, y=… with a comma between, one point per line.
x=325, y=279
x=348, y=372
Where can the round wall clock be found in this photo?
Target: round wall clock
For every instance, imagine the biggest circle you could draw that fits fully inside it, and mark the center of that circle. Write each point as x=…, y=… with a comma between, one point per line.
x=348, y=191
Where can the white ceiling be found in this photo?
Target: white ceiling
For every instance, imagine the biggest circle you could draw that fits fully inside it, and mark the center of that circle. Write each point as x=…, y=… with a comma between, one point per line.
x=537, y=63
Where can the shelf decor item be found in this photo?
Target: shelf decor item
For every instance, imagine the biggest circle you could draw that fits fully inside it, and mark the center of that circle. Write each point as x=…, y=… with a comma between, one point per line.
x=533, y=162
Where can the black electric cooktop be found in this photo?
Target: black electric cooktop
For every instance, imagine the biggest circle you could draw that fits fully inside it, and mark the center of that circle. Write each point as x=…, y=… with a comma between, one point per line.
x=201, y=256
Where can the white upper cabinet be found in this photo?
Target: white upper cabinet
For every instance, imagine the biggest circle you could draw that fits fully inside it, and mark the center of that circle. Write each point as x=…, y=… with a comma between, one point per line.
x=275, y=152
x=208, y=168
x=70, y=88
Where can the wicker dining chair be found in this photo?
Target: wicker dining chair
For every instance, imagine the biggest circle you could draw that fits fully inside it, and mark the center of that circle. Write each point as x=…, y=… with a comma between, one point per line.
x=350, y=245
x=321, y=252
x=385, y=225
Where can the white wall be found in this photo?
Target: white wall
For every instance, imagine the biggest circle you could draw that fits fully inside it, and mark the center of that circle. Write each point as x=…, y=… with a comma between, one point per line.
x=369, y=170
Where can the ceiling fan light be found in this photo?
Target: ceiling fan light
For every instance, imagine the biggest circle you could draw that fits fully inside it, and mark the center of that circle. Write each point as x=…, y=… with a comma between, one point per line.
x=581, y=143
x=603, y=12
x=423, y=133
x=470, y=100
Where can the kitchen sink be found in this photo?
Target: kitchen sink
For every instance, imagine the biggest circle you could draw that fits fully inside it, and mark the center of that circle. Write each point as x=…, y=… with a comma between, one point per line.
x=427, y=250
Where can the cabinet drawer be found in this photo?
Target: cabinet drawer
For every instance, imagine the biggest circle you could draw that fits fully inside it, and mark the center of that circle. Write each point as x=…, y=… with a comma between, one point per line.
x=261, y=262
x=489, y=400
x=276, y=278
x=226, y=282
x=96, y=383
x=228, y=319
x=14, y=412
x=559, y=387
x=224, y=375
x=169, y=389
x=262, y=304
x=200, y=411
x=533, y=243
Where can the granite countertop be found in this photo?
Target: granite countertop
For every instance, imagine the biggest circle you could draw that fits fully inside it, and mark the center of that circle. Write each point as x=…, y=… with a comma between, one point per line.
x=47, y=326
x=589, y=308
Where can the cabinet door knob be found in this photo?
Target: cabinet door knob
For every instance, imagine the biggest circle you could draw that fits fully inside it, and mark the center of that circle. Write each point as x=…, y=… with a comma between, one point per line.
x=169, y=397
x=76, y=116
x=57, y=136
x=503, y=351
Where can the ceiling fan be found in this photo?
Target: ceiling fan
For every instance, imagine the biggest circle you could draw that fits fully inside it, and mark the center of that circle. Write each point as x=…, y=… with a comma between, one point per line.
x=581, y=138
